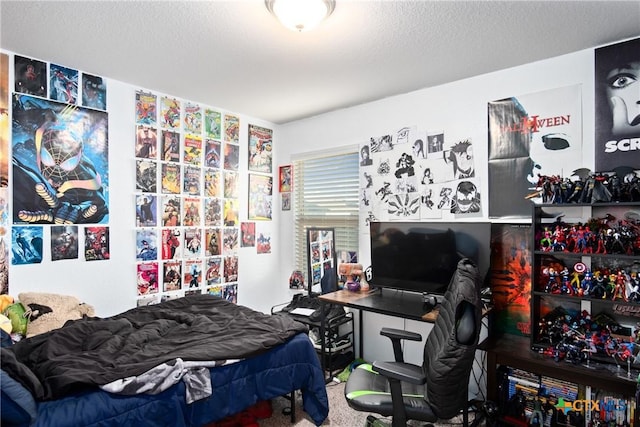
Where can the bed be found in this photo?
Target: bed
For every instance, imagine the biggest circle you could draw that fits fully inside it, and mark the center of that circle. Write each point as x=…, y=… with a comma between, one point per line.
x=185, y=362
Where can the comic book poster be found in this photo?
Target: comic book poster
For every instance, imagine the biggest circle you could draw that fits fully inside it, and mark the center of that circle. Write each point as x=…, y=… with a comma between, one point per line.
x=146, y=108
x=231, y=128
x=172, y=275
x=260, y=149
x=212, y=212
x=4, y=210
x=171, y=243
x=192, y=273
x=230, y=184
x=247, y=234
x=169, y=113
x=260, y=196
x=146, y=142
x=530, y=136
x=617, y=120
x=146, y=244
x=263, y=245
x=191, y=207
x=212, y=153
x=192, y=118
x=231, y=212
x=211, y=182
x=193, y=150
x=30, y=76
x=192, y=242
x=213, y=239
x=191, y=180
x=4, y=266
x=212, y=123
x=96, y=244
x=64, y=242
x=146, y=176
x=230, y=293
x=170, y=146
x=26, y=245
x=510, y=277
x=4, y=120
x=231, y=156
x=230, y=268
x=230, y=240
x=171, y=211
x=148, y=300
x=215, y=290
x=48, y=186
x=63, y=84
x=146, y=210
x=147, y=278
x=171, y=178
x=94, y=91
x=212, y=275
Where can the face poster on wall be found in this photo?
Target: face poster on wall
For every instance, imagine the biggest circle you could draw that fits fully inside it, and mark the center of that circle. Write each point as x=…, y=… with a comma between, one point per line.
x=62, y=150
x=617, y=101
x=530, y=136
x=260, y=149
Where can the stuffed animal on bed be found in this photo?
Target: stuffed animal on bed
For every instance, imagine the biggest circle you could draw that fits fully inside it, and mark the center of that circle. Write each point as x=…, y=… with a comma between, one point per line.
x=51, y=311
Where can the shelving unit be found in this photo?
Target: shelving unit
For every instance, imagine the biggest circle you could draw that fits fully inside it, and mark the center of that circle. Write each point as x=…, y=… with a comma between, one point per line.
x=561, y=294
x=334, y=339
x=555, y=292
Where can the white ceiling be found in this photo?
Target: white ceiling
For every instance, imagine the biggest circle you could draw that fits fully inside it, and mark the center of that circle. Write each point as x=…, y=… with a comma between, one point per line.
x=234, y=55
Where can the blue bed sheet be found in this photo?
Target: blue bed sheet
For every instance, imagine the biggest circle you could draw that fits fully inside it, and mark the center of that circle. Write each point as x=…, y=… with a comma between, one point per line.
x=291, y=366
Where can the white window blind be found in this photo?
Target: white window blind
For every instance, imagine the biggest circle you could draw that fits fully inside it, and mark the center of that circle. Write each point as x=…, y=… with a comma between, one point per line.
x=326, y=195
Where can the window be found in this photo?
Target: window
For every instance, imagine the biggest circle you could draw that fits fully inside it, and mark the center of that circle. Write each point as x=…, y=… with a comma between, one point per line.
x=326, y=195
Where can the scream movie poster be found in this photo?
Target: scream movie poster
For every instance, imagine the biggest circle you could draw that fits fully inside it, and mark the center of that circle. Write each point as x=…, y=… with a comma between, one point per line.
x=617, y=99
x=60, y=163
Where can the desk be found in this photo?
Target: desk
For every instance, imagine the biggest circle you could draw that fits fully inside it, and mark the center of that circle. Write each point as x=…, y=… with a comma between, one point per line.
x=406, y=305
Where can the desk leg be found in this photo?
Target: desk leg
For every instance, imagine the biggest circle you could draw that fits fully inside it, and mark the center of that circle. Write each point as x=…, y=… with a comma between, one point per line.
x=361, y=332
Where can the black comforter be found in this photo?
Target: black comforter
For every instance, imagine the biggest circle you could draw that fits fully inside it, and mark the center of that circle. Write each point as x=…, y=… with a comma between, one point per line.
x=90, y=352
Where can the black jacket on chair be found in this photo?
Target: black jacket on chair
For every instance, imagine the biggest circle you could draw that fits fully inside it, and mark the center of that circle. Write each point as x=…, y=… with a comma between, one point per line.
x=439, y=388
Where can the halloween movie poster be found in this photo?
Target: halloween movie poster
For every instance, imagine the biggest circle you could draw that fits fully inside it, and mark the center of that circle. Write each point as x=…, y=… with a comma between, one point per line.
x=617, y=103
x=530, y=136
x=60, y=163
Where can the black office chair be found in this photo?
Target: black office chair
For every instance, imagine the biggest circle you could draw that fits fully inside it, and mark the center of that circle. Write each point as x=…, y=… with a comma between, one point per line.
x=437, y=390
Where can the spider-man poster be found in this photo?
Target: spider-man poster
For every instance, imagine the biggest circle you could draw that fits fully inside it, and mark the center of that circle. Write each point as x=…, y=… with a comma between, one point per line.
x=60, y=163
x=510, y=277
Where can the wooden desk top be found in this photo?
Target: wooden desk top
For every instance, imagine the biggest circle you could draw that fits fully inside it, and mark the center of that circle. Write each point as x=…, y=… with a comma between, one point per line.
x=344, y=296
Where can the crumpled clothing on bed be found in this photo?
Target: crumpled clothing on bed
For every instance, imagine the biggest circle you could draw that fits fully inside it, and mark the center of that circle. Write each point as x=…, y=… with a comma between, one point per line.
x=196, y=377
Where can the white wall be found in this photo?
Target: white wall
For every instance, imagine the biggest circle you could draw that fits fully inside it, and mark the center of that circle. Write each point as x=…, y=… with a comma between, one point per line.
x=460, y=110
x=110, y=286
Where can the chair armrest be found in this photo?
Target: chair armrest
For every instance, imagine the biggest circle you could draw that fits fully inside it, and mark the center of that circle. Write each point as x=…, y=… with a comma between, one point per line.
x=400, y=334
x=400, y=371
x=395, y=335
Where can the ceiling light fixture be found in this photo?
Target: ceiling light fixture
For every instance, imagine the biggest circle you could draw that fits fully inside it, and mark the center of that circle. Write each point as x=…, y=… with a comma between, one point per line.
x=300, y=15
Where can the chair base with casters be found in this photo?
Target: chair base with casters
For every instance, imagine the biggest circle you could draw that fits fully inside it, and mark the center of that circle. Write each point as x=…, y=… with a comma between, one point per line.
x=437, y=390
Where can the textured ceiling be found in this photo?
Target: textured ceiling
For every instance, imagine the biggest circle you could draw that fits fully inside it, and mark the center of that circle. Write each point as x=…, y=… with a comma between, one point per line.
x=234, y=55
